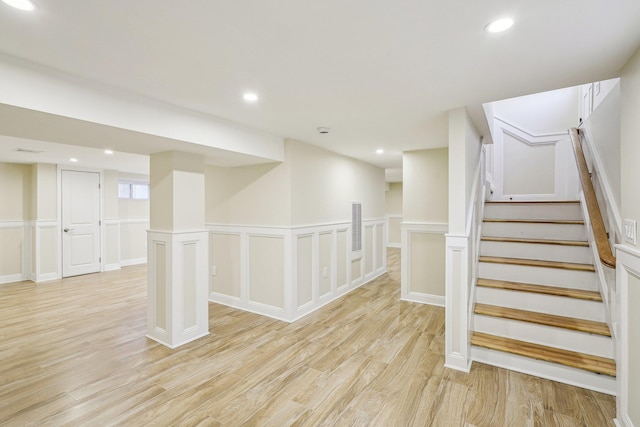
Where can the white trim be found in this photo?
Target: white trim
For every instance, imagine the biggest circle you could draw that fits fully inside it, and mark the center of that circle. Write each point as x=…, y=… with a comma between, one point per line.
x=11, y=278
x=429, y=299
x=394, y=245
x=134, y=261
x=628, y=263
x=525, y=134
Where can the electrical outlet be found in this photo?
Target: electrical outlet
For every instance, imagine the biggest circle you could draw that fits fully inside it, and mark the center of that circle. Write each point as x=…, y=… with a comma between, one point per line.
x=325, y=272
x=630, y=232
x=214, y=270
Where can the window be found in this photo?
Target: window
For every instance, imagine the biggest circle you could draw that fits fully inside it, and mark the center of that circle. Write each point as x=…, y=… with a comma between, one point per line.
x=133, y=190
x=356, y=227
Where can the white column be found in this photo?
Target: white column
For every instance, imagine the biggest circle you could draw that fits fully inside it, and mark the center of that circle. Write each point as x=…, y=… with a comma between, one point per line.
x=177, y=250
x=457, y=349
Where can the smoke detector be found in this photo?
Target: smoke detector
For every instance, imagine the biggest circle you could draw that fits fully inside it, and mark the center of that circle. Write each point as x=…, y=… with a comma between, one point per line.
x=323, y=130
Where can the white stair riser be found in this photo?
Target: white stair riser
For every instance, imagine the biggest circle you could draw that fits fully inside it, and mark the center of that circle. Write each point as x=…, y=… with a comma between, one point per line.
x=552, y=371
x=539, y=275
x=535, y=230
x=596, y=345
x=533, y=211
x=540, y=303
x=560, y=253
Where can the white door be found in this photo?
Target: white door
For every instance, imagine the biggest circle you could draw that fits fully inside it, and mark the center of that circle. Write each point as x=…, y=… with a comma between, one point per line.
x=80, y=223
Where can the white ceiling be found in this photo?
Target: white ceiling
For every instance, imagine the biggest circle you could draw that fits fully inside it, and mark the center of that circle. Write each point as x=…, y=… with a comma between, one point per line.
x=378, y=73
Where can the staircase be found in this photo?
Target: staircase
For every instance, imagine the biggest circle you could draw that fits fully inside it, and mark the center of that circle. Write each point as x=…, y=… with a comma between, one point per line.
x=538, y=309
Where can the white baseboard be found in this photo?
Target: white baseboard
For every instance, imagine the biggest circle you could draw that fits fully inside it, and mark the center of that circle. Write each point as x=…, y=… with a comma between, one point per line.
x=46, y=277
x=436, y=300
x=281, y=314
x=394, y=245
x=310, y=307
x=134, y=261
x=10, y=278
x=112, y=267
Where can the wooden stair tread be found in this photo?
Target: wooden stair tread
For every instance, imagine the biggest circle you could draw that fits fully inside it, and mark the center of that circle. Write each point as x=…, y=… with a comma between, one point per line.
x=587, y=362
x=538, y=263
x=581, y=325
x=506, y=202
x=537, y=221
x=541, y=289
x=536, y=241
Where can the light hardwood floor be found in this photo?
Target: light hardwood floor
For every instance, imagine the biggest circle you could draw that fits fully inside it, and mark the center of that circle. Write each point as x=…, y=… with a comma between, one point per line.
x=74, y=352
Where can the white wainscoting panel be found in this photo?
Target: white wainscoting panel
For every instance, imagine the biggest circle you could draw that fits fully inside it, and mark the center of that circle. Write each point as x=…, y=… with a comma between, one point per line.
x=178, y=310
x=286, y=273
x=394, y=231
x=132, y=238
x=15, y=255
x=413, y=276
x=457, y=348
x=111, y=239
x=628, y=284
x=518, y=159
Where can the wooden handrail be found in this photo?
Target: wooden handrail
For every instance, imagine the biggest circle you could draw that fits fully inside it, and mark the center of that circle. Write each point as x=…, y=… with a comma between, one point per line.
x=597, y=224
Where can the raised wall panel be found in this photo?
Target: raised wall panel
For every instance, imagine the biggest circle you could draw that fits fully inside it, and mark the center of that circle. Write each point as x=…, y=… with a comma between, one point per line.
x=189, y=277
x=528, y=169
x=341, y=258
x=369, y=254
x=226, y=258
x=356, y=269
x=48, y=250
x=394, y=231
x=11, y=251
x=324, y=280
x=379, y=248
x=160, y=269
x=266, y=271
x=427, y=257
x=304, y=270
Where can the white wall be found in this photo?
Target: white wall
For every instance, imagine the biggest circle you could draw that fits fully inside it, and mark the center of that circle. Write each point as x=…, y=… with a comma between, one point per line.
x=133, y=215
x=280, y=234
x=323, y=185
x=532, y=155
x=249, y=195
x=628, y=270
x=425, y=204
x=393, y=211
x=603, y=131
x=541, y=113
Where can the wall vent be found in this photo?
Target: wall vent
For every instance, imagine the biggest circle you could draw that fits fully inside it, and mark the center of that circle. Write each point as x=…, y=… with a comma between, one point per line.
x=356, y=227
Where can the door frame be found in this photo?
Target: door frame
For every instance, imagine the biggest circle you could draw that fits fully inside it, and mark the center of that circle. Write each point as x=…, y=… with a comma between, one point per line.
x=59, y=227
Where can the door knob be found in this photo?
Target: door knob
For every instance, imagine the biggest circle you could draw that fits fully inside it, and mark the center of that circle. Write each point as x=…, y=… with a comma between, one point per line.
x=66, y=230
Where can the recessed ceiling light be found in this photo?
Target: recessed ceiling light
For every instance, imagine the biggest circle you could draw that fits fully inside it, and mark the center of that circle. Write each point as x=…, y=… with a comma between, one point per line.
x=324, y=130
x=27, y=5
x=108, y=152
x=73, y=159
x=250, y=97
x=500, y=25
x=380, y=151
